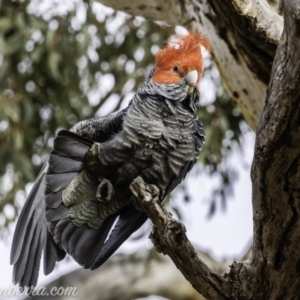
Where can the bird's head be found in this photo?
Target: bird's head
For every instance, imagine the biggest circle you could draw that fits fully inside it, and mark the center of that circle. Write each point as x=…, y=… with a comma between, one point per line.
x=181, y=62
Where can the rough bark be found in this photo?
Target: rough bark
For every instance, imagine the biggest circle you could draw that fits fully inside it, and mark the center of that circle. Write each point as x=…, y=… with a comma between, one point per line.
x=276, y=171
x=133, y=276
x=273, y=272
x=244, y=35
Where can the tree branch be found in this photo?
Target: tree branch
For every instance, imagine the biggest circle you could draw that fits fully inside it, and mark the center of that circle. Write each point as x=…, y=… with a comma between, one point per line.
x=243, y=56
x=276, y=5
x=260, y=20
x=169, y=237
x=257, y=27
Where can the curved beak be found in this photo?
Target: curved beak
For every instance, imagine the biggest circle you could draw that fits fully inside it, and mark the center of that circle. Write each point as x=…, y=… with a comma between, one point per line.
x=191, y=78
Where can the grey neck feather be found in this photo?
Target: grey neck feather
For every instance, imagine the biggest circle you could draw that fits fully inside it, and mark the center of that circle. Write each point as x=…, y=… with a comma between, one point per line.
x=172, y=92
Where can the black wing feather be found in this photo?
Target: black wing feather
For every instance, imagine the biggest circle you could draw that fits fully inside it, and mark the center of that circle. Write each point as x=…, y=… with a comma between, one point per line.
x=66, y=235
x=53, y=200
x=60, y=164
x=57, y=214
x=34, y=272
x=75, y=238
x=71, y=145
x=32, y=266
x=58, y=182
x=22, y=227
x=35, y=239
x=52, y=254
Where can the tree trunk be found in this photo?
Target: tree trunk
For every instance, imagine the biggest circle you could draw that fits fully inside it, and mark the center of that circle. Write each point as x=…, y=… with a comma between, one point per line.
x=244, y=35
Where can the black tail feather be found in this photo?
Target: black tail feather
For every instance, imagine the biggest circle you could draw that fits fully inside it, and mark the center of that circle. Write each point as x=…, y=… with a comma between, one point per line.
x=59, y=229
x=75, y=238
x=130, y=220
x=93, y=241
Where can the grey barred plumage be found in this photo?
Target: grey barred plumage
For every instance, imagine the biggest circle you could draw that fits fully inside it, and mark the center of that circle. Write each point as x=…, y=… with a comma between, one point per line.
x=157, y=139
x=85, y=187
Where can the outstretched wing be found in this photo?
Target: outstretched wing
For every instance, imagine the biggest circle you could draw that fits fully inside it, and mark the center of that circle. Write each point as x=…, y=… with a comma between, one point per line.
x=32, y=235
x=88, y=245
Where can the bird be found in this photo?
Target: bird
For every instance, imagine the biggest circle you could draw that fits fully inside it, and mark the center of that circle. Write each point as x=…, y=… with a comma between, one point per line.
x=81, y=203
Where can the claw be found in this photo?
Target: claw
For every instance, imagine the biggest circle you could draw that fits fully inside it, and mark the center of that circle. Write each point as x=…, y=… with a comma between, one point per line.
x=152, y=191
x=105, y=190
x=142, y=191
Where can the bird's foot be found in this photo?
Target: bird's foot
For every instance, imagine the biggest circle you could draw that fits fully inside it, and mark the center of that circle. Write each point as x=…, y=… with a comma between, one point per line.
x=143, y=192
x=105, y=190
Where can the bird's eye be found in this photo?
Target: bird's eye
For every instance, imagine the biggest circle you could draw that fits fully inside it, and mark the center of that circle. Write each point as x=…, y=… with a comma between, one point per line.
x=176, y=69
